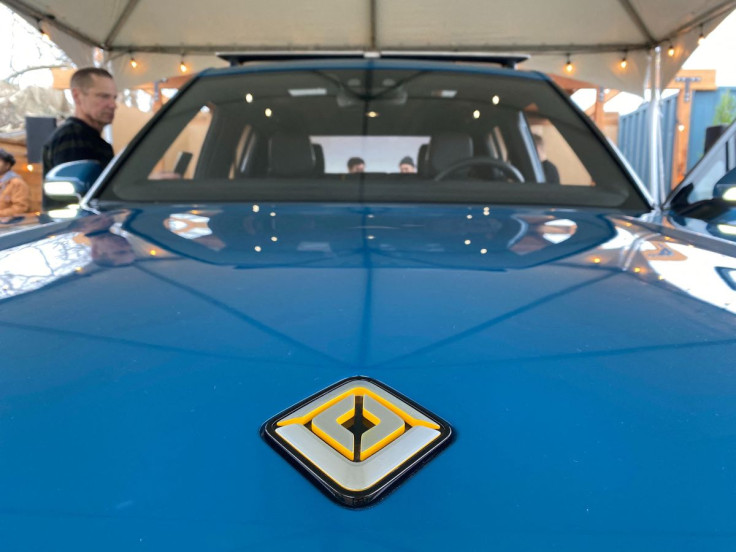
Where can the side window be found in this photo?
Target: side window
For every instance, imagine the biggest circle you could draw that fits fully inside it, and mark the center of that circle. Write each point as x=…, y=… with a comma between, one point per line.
x=180, y=160
x=559, y=160
x=378, y=154
x=707, y=176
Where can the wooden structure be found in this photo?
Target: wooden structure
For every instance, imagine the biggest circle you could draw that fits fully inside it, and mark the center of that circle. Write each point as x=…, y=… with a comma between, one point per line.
x=686, y=81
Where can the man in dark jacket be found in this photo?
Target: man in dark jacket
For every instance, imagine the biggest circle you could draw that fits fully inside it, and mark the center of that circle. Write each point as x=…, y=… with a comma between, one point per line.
x=79, y=137
x=94, y=94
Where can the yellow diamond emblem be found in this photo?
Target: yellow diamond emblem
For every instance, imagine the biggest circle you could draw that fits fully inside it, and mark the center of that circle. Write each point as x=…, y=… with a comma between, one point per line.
x=357, y=438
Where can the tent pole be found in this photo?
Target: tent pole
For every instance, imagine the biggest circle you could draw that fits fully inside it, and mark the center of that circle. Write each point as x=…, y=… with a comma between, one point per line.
x=373, y=30
x=656, y=182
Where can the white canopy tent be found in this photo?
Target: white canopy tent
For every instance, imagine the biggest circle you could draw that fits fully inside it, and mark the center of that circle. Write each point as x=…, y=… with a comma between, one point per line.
x=595, y=35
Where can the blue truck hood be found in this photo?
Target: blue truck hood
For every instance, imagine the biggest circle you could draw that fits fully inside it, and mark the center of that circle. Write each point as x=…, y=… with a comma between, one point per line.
x=584, y=360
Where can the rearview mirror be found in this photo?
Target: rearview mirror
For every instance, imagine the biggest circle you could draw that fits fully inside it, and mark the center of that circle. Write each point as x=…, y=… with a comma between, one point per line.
x=69, y=182
x=725, y=188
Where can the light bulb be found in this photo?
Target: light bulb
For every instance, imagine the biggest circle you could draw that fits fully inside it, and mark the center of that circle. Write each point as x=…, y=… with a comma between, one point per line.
x=41, y=30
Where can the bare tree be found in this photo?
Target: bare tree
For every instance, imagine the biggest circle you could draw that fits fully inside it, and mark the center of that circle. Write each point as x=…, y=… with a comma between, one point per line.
x=30, y=54
x=30, y=51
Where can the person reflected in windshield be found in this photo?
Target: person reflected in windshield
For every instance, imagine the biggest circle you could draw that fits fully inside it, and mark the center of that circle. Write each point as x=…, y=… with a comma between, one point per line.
x=406, y=165
x=356, y=165
x=106, y=249
x=109, y=250
x=551, y=174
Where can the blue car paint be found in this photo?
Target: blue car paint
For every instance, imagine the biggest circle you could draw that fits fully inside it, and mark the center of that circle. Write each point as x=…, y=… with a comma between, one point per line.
x=593, y=402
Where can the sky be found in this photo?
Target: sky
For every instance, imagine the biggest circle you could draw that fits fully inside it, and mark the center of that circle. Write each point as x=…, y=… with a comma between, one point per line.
x=21, y=45
x=716, y=52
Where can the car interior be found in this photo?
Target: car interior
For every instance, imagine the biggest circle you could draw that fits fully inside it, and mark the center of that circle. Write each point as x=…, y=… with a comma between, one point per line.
x=295, y=132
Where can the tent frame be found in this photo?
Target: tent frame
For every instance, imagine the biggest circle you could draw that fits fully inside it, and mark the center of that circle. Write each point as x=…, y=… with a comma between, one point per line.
x=648, y=43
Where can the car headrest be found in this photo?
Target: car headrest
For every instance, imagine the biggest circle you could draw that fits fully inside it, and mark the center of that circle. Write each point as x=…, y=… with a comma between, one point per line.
x=319, y=159
x=290, y=154
x=422, y=159
x=447, y=148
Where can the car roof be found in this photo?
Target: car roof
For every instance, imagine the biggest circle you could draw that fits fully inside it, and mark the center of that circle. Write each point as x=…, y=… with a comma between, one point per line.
x=374, y=63
x=508, y=60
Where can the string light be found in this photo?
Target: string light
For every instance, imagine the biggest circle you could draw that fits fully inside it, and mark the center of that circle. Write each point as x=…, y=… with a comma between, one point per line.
x=569, y=67
x=133, y=62
x=701, y=38
x=44, y=34
x=671, y=50
x=183, y=67
x=624, y=62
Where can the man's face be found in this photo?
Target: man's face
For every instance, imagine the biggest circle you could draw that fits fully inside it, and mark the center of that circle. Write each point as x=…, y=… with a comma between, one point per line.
x=407, y=168
x=96, y=104
x=4, y=166
x=359, y=168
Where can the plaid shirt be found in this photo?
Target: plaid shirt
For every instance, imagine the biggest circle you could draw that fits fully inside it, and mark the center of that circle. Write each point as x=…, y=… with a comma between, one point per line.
x=75, y=140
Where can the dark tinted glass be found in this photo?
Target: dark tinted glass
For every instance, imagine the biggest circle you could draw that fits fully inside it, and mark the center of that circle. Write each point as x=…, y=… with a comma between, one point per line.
x=373, y=135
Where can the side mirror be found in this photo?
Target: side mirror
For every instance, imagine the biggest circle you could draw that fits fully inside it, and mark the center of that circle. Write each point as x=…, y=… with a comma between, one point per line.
x=725, y=188
x=69, y=182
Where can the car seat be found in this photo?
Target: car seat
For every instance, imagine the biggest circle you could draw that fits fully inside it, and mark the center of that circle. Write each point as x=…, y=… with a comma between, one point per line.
x=290, y=154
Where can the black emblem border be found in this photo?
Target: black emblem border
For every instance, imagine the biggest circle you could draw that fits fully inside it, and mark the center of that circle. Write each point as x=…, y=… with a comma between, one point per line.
x=378, y=491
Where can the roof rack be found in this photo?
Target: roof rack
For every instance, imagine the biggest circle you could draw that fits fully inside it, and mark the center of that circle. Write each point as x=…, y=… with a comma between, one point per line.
x=505, y=60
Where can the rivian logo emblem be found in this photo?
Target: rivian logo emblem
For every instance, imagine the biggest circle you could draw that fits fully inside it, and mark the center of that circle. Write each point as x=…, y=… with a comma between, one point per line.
x=357, y=438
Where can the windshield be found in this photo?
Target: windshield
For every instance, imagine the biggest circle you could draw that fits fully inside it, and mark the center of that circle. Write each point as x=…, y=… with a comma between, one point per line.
x=372, y=135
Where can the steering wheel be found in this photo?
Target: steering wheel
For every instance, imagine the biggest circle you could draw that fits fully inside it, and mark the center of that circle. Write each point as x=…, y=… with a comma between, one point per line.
x=504, y=166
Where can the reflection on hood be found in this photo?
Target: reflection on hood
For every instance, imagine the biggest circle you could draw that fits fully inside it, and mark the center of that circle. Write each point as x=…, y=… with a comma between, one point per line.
x=473, y=238
x=85, y=244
